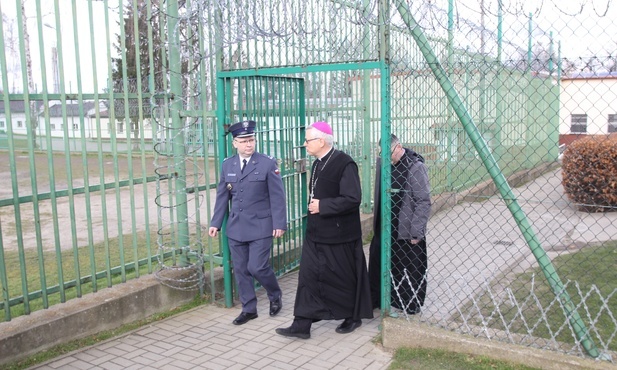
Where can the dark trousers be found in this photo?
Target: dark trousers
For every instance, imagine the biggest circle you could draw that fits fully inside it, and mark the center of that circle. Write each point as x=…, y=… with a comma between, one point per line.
x=408, y=267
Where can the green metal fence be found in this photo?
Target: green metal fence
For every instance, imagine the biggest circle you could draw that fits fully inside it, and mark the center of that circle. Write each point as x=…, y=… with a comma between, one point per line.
x=111, y=136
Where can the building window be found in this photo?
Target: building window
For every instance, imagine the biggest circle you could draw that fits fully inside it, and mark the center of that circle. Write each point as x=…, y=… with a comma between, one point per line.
x=578, y=124
x=20, y=123
x=1, y=124
x=612, y=123
x=75, y=126
x=52, y=126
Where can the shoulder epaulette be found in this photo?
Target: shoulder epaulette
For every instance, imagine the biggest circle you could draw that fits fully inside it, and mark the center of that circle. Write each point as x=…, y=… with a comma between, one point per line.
x=267, y=156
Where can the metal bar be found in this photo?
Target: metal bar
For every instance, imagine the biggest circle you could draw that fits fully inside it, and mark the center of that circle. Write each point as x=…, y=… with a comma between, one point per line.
x=71, y=96
x=67, y=148
x=386, y=179
x=386, y=189
x=33, y=177
x=135, y=127
x=205, y=139
x=112, y=127
x=450, y=120
x=126, y=122
x=500, y=181
x=101, y=167
x=175, y=88
x=167, y=137
x=24, y=57
x=351, y=66
x=84, y=153
x=80, y=190
x=151, y=91
x=500, y=86
x=222, y=86
x=5, y=86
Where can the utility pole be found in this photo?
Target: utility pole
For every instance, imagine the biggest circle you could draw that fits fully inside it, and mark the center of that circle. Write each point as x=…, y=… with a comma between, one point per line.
x=33, y=111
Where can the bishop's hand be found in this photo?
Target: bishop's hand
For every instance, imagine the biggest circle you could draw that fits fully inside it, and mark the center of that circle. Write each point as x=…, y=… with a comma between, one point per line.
x=313, y=206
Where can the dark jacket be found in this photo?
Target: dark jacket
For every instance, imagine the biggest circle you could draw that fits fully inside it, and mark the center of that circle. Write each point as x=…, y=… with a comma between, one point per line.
x=337, y=186
x=416, y=208
x=257, y=198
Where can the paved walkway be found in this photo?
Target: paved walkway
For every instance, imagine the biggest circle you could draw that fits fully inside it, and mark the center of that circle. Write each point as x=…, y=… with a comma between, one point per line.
x=205, y=338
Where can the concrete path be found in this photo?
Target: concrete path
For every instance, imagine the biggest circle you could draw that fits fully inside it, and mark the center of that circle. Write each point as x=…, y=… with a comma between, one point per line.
x=474, y=243
x=205, y=338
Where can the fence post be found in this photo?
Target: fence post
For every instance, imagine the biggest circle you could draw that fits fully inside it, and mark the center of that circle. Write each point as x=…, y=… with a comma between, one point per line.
x=175, y=107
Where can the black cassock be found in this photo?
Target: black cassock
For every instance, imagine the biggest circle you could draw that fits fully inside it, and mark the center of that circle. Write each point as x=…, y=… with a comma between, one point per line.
x=333, y=280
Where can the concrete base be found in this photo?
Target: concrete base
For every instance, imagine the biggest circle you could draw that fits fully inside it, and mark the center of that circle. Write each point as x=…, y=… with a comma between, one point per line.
x=91, y=314
x=397, y=333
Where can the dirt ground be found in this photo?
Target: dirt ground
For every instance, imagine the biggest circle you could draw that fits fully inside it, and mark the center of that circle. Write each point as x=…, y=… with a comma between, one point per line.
x=83, y=217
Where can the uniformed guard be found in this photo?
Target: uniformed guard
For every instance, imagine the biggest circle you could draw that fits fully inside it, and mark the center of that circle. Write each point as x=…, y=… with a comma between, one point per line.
x=251, y=190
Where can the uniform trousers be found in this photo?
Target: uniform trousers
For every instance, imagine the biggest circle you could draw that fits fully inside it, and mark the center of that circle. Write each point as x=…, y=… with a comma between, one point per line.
x=252, y=260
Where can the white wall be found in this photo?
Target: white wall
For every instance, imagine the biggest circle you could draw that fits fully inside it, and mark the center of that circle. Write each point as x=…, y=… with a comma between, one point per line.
x=596, y=97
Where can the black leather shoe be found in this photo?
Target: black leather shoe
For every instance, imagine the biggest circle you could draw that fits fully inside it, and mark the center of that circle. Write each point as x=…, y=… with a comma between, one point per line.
x=290, y=332
x=413, y=311
x=275, y=306
x=244, y=317
x=348, y=326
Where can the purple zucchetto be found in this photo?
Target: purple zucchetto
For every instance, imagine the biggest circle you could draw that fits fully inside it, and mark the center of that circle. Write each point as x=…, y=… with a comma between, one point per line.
x=323, y=127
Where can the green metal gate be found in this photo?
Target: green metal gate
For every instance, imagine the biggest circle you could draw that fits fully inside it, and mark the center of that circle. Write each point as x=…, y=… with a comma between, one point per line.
x=277, y=105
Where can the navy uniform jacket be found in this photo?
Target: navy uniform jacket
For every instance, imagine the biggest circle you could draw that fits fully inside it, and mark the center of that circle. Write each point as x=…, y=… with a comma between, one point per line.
x=257, y=198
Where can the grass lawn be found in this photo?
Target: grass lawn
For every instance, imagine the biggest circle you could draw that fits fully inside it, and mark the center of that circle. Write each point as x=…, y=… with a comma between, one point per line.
x=100, y=260
x=590, y=278
x=432, y=359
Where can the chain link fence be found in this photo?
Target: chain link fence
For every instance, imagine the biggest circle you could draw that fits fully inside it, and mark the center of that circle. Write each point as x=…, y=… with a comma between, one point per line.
x=529, y=260
x=493, y=95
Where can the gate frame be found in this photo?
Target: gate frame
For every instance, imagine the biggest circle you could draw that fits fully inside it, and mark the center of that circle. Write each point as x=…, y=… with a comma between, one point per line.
x=289, y=72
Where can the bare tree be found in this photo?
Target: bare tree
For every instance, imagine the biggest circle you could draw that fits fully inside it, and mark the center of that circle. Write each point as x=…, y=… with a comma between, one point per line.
x=134, y=46
x=33, y=112
x=11, y=43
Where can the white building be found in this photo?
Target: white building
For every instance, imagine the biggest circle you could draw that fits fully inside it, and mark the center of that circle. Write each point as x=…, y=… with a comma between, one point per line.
x=68, y=120
x=118, y=128
x=588, y=105
x=17, y=118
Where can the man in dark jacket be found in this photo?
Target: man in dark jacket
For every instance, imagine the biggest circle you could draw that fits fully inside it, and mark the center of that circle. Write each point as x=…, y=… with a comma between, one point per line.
x=251, y=184
x=411, y=207
x=333, y=279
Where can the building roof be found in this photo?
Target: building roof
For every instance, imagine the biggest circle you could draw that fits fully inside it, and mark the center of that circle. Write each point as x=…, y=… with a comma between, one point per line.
x=590, y=76
x=18, y=106
x=72, y=109
x=55, y=108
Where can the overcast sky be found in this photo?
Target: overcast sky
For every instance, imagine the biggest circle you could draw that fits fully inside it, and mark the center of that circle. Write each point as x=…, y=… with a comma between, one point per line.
x=582, y=33
x=66, y=41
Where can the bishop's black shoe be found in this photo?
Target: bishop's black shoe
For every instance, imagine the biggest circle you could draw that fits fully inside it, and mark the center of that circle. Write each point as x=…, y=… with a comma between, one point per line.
x=244, y=317
x=413, y=311
x=348, y=326
x=292, y=333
